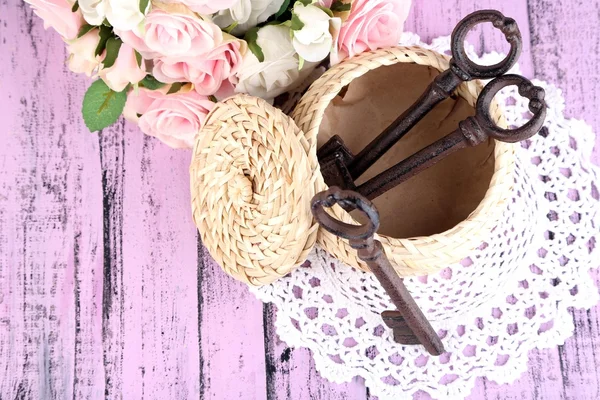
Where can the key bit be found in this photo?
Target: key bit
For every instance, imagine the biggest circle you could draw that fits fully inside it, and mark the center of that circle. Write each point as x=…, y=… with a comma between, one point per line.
x=333, y=157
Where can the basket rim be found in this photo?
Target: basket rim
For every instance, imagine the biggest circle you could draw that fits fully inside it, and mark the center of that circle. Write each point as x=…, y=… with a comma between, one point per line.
x=419, y=254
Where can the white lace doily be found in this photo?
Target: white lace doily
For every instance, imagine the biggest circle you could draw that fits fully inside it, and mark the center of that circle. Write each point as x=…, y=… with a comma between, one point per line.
x=509, y=297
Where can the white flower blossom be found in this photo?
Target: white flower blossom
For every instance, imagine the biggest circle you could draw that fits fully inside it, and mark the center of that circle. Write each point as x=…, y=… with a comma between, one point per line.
x=94, y=11
x=122, y=14
x=314, y=39
x=279, y=72
x=246, y=14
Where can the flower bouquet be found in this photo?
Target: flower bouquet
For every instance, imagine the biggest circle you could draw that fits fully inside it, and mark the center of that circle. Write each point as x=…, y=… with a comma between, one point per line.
x=164, y=64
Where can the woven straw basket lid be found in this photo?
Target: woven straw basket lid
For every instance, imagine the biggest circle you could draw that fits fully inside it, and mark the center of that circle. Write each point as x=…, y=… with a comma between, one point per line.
x=419, y=255
x=252, y=182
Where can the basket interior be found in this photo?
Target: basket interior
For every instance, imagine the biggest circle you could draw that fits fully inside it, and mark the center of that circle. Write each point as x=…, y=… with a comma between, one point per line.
x=436, y=199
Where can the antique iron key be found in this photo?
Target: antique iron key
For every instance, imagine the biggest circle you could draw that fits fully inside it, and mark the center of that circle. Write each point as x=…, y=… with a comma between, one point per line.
x=470, y=132
x=409, y=325
x=340, y=167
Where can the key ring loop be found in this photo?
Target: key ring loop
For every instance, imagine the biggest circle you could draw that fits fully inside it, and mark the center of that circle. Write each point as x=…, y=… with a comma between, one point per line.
x=463, y=65
x=537, y=106
x=348, y=199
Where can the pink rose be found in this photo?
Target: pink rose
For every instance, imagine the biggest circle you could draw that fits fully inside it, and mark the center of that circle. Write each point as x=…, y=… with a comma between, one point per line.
x=175, y=119
x=206, y=7
x=124, y=71
x=207, y=72
x=132, y=39
x=372, y=24
x=58, y=15
x=225, y=91
x=171, y=34
x=82, y=53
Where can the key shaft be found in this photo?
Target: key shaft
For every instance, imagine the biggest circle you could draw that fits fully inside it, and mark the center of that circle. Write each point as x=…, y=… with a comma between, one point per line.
x=394, y=286
x=409, y=324
x=440, y=89
x=461, y=69
x=471, y=132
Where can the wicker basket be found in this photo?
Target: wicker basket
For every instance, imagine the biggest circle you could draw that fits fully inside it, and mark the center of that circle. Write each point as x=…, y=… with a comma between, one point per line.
x=418, y=255
x=255, y=170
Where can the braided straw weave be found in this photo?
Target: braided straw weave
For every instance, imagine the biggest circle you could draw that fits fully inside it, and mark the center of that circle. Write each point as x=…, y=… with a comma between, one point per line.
x=420, y=255
x=254, y=173
x=251, y=183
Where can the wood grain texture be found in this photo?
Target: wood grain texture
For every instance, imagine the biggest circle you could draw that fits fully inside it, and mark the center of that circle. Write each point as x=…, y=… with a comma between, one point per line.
x=573, y=62
x=50, y=243
x=105, y=290
x=565, y=47
x=159, y=274
x=231, y=335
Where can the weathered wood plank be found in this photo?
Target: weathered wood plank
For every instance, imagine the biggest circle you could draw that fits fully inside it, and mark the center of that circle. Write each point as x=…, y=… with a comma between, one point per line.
x=168, y=297
x=88, y=269
x=565, y=49
x=160, y=328
x=112, y=159
x=232, y=358
x=49, y=243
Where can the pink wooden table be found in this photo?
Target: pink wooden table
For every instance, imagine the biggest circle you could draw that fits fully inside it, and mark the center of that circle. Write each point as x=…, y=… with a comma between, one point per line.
x=105, y=290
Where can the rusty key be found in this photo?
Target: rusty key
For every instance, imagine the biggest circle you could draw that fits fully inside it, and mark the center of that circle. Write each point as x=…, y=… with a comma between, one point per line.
x=470, y=132
x=408, y=323
x=338, y=163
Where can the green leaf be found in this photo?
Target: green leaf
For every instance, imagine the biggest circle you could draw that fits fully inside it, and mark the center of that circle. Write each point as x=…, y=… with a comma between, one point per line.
x=213, y=98
x=102, y=106
x=113, y=45
x=305, y=2
x=106, y=23
x=300, y=63
x=175, y=87
x=339, y=6
x=296, y=23
x=105, y=34
x=231, y=27
x=275, y=23
x=144, y=6
x=282, y=9
x=75, y=7
x=251, y=38
x=85, y=28
x=138, y=58
x=257, y=51
x=150, y=82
